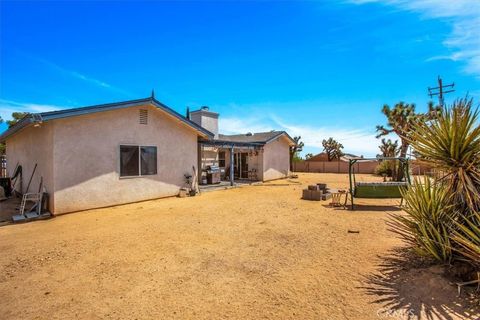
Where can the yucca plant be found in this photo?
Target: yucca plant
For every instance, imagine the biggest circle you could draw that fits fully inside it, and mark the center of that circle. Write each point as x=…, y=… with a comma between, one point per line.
x=451, y=144
x=467, y=238
x=443, y=219
x=426, y=227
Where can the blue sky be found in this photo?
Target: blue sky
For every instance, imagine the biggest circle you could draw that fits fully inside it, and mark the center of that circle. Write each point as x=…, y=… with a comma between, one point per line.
x=314, y=68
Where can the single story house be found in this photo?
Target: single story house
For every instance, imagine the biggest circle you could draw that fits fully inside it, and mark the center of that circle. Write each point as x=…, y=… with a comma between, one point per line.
x=131, y=151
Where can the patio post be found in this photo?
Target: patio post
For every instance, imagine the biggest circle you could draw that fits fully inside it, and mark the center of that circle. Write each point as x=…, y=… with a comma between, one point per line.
x=231, y=166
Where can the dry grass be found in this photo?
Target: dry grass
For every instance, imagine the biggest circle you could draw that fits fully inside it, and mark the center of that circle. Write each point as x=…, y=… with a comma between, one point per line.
x=252, y=252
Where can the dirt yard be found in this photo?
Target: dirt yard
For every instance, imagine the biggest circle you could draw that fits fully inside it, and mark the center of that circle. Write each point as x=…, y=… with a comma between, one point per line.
x=246, y=253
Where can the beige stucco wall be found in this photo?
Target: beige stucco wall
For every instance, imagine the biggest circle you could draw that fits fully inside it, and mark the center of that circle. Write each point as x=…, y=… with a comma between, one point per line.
x=86, y=156
x=27, y=147
x=276, y=159
x=207, y=120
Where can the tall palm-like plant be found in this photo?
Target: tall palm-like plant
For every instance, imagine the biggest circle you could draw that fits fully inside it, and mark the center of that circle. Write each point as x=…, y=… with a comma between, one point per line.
x=451, y=144
x=443, y=217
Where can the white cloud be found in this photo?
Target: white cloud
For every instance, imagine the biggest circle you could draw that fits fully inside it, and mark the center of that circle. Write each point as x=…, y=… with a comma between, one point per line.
x=91, y=80
x=9, y=106
x=463, y=43
x=357, y=141
x=242, y=125
x=79, y=76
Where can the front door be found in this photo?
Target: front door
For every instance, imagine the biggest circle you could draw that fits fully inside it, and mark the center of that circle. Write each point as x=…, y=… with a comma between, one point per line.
x=240, y=168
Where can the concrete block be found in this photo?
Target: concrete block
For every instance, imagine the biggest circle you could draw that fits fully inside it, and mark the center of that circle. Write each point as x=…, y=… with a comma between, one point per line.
x=316, y=195
x=326, y=196
x=306, y=194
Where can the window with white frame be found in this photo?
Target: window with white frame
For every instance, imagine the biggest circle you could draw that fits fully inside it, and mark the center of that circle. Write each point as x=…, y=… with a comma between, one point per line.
x=136, y=161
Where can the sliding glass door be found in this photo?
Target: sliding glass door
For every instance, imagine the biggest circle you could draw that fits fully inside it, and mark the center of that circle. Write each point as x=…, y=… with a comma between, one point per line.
x=240, y=168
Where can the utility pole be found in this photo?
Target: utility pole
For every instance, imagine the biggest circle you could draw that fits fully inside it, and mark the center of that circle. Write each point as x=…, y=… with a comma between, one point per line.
x=440, y=90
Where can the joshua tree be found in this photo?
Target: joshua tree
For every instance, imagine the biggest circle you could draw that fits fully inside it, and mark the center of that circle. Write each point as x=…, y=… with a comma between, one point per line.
x=401, y=120
x=332, y=148
x=295, y=149
x=389, y=148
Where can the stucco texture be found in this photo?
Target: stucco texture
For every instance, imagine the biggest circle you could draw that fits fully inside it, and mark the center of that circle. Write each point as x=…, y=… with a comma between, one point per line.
x=82, y=157
x=276, y=163
x=33, y=145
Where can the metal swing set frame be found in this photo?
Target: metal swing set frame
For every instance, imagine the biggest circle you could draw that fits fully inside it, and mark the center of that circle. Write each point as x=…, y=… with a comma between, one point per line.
x=377, y=190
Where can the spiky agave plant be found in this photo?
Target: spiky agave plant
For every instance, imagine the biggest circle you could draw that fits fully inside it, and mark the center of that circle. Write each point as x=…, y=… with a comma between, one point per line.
x=427, y=223
x=443, y=217
x=467, y=238
x=451, y=144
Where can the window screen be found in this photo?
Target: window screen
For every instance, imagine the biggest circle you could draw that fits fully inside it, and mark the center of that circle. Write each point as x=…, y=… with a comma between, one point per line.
x=129, y=161
x=148, y=160
x=138, y=161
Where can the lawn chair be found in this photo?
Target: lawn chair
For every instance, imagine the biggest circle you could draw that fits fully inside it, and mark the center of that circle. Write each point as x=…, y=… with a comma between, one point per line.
x=337, y=198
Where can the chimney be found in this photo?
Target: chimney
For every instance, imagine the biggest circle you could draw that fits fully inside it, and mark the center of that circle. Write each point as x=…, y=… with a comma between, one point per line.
x=206, y=119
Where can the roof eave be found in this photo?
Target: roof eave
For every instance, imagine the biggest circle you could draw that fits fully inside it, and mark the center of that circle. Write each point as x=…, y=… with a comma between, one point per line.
x=53, y=115
x=25, y=122
x=230, y=143
x=189, y=122
x=280, y=133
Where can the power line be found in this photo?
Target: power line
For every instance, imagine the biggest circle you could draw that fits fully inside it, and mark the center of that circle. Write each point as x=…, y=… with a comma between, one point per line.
x=440, y=90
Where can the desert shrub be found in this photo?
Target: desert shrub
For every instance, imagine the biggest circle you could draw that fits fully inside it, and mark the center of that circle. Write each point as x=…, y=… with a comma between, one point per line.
x=443, y=219
x=429, y=219
x=467, y=238
x=384, y=168
x=451, y=144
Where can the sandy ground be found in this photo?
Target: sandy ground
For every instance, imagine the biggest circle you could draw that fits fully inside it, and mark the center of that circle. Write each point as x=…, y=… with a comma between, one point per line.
x=246, y=253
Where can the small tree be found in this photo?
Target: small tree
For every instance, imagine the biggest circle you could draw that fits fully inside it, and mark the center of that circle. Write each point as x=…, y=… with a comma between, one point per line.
x=16, y=116
x=388, y=148
x=294, y=150
x=332, y=148
x=401, y=120
x=386, y=167
x=308, y=156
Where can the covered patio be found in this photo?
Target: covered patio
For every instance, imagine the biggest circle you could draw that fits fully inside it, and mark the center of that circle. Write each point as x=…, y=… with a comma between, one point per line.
x=239, y=162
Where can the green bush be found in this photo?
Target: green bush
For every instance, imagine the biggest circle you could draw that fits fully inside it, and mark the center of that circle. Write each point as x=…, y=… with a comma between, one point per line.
x=384, y=168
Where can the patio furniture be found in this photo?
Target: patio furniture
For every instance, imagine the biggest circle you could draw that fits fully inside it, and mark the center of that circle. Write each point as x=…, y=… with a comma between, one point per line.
x=378, y=190
x=337, y=198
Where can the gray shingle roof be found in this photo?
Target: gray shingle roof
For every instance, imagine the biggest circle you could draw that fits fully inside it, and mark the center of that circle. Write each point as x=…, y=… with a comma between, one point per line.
x=258, y=137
